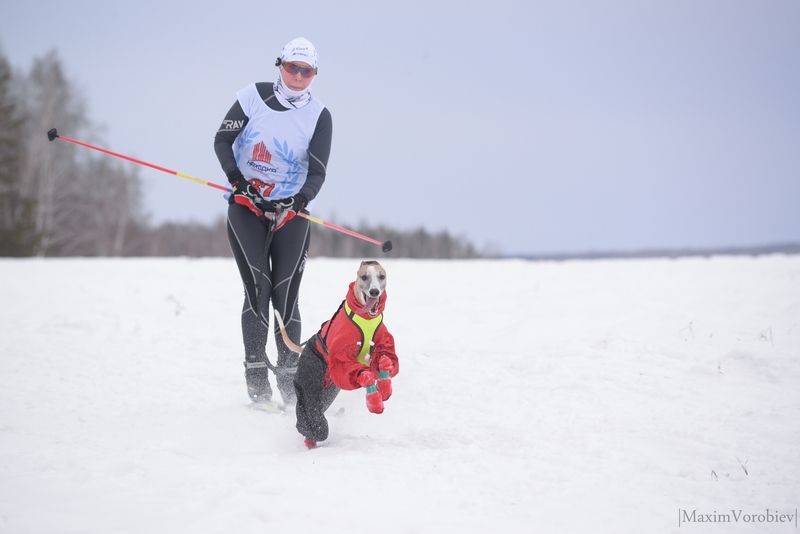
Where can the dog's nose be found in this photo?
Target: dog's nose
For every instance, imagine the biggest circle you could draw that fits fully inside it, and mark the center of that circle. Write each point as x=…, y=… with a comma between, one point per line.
x=374, y=293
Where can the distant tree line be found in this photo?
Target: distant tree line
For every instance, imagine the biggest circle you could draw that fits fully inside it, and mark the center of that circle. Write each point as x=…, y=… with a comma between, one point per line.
x=58, y=201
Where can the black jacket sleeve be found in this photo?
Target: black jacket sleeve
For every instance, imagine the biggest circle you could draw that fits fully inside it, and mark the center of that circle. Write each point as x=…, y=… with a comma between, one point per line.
x=319, y=149
x=232, y=124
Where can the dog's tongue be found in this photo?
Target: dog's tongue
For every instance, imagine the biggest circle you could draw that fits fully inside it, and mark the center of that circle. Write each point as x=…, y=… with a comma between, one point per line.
x=370, y=303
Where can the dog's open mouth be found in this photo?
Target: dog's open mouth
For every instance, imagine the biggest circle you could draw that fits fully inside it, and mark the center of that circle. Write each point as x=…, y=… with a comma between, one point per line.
x=370, y=303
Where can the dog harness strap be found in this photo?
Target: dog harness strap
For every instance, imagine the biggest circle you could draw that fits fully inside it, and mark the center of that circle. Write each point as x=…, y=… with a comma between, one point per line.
x=316, y=344
x=367, y=327
x=323, y=337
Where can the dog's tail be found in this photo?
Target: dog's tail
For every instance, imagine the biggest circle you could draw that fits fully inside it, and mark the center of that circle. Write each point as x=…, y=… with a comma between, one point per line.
x=286, y=339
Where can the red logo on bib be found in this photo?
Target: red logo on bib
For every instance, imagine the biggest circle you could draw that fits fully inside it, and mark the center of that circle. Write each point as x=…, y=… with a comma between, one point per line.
x=260, y=153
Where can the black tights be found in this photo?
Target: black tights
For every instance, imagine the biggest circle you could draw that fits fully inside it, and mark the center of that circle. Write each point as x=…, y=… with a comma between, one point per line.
x=271, y=266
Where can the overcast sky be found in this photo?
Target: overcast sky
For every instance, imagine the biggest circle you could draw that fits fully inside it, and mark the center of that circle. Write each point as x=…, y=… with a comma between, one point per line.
x=532, y=127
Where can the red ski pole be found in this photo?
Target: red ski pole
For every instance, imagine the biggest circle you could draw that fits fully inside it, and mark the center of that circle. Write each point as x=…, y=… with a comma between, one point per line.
x=53, y=134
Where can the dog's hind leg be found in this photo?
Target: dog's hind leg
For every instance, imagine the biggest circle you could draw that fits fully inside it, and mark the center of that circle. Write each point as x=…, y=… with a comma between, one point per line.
x=312, y=399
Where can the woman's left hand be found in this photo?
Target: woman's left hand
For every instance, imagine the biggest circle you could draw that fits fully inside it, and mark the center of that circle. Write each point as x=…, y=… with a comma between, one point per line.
x=287, y=209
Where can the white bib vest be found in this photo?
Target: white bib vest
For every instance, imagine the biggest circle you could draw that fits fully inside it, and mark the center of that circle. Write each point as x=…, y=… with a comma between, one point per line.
x=273, y=147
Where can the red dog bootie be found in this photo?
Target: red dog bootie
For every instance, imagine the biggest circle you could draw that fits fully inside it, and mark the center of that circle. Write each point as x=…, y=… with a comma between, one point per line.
x=386, y=367
x=310, y=443
x=385, y=385
x=366, y=379
x=374, y=399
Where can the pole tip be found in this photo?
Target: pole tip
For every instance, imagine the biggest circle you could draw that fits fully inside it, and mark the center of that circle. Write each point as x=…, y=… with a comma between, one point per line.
x=52, y=134
x=387, y=246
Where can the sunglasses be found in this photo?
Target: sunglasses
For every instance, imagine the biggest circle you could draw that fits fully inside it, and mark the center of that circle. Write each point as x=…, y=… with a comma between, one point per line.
x=293, y=69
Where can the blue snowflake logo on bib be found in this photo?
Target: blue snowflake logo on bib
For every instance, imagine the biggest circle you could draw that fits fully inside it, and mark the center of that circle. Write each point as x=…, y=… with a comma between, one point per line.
x=293, y=164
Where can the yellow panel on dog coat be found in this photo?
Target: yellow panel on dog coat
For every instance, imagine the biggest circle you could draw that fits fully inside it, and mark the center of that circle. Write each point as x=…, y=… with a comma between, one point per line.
x=367, y=327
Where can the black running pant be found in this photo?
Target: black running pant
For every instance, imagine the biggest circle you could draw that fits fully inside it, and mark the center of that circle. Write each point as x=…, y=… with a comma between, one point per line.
x=271, y=266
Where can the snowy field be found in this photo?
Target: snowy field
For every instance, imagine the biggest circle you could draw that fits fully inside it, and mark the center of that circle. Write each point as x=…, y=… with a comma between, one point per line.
x=595, y=396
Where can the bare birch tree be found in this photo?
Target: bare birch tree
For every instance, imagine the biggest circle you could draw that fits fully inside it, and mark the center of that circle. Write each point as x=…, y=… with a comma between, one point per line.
x=48, y=170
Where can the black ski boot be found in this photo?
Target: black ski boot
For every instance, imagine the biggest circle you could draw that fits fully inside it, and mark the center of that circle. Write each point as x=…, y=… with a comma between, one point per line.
x=285, y=381
x=257, y=375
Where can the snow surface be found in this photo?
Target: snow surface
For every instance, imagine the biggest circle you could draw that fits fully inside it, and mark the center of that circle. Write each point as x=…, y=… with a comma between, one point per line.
x=582, y=396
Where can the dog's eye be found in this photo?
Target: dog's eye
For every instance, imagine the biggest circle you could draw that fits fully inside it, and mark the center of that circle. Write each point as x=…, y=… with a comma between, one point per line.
x=364, y=277
x=382, y=277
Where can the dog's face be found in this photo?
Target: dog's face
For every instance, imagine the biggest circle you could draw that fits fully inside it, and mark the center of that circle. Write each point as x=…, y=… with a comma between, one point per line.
x=370, y=284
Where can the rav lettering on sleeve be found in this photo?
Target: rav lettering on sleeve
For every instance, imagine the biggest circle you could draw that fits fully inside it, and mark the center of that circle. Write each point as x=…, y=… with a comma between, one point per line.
x=229, y=125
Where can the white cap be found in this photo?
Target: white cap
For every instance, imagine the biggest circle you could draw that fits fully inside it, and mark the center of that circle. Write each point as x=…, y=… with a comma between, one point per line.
x=299, y=49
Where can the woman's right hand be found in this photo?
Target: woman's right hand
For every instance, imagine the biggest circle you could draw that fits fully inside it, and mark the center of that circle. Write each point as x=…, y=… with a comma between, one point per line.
x=246, y=195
